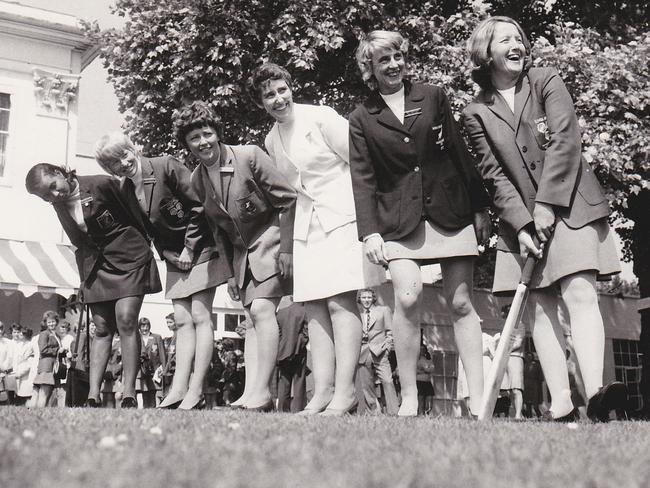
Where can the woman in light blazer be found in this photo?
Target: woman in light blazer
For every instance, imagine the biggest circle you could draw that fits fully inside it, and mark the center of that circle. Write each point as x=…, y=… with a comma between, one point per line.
x=309, y=144
x=419, y=201
x=249, y=207
x=525, y=131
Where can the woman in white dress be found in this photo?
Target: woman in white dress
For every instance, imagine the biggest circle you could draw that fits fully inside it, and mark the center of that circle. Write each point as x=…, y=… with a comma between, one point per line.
x=309, y=144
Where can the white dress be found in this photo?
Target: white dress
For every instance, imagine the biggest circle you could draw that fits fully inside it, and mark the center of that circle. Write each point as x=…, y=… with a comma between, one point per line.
x=312, y=152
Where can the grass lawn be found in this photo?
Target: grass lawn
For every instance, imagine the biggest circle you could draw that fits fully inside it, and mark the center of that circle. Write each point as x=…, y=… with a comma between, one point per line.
x=84, y=448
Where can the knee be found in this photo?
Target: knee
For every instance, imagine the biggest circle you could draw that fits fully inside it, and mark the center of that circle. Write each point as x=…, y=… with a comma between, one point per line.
x=580, y=295
x=460, y=305
x=101, y=329
x=408, y=299
x=201, y=317
x=127, y=323
x=261, y=310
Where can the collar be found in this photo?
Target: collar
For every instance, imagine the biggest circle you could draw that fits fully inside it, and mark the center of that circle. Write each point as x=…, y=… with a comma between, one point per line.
x=412, y=92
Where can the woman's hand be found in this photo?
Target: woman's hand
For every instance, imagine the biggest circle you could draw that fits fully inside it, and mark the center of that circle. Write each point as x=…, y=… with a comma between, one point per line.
x=544, y=218
x=373, y=248
x=527, y=246
x=482, y=226
x=285, y=263
x=184, y=260
x=233, y=289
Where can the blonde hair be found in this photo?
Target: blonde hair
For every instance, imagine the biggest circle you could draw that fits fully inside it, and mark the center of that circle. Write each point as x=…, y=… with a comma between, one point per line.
x=478, y=46
x=374, y=40
x=111, y=147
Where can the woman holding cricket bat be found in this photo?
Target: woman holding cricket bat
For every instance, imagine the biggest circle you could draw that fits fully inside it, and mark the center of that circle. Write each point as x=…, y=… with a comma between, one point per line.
x=525, y=131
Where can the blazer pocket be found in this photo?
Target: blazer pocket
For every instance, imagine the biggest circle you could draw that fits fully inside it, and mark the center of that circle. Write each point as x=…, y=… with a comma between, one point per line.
x=173, y=213
x=539, y=129
x=129, y=250
x=457, y=196
x=251, y=206
x=388, y=205
x=103, y=222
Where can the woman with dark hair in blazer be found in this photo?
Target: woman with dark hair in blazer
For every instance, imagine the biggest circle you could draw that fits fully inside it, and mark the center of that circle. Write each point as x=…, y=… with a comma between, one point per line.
x=249, y=206
x=524, y=129
x=419, y=200
x=48, y=353
x=161, y=190
x=115, y=262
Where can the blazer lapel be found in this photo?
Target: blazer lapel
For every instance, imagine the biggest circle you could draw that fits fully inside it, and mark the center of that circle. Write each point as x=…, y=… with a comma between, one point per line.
x=228, y=160
x=385, y=115
x=522, y=93
x=500, y=108
x=413, y=97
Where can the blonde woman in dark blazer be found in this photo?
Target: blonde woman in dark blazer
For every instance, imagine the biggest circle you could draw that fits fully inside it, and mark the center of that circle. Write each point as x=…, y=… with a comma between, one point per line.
x=419, y=200
x=249, y=207
x=160, y=189
x=525, y=131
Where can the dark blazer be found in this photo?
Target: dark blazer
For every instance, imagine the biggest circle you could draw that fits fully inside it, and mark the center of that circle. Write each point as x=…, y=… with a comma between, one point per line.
x=533, y=155
x=292, y=321
x=253, y=221
x=402, y=173
x=154, y=349
x=173, y=211
x=116, y=237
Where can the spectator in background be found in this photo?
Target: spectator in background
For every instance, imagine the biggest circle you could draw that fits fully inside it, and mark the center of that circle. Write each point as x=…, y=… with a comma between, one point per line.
x=65, y=355
x=533, y=381
x=48, y=347
x=230, y=377
x=168, y=370
x=23, y=364
x=6, y=363
x=152, y=355
x=112, y=385
x=292, y=356
x=376, y=343
x=424, y=372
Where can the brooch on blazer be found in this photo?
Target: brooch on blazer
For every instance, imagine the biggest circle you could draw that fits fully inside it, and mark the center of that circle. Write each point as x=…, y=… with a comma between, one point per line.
x=249, y=207
x=542, y=127
x=172, y=211
x=413, y=112
x=440, y=138
x=86, y=201
x=148, y=180
x=105, y=220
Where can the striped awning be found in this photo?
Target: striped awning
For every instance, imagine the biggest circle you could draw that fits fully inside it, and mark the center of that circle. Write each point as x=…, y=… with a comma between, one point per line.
x=32, y=267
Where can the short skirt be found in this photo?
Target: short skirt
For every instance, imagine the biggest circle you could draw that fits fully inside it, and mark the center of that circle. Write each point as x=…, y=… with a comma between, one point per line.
x=425, y=388
x=203, y=275
x=569, y=251
x=273, y=287
x=516, y=372
x=330, y=263
x=110, y=284
x=429, y=243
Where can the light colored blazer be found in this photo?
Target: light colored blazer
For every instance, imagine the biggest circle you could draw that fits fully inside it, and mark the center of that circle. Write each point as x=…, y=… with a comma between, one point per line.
x=253, y=221
x=321, y=172
x=533, y=155
x=24, y=361
x=380, y=324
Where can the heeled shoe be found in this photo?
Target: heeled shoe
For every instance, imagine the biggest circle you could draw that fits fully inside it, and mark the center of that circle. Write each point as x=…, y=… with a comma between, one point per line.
x=311, y=411
x=340, y=412
x=129, y=402
x=170, y=406
x=572, y=416
x=200, y=405
x=267, y=407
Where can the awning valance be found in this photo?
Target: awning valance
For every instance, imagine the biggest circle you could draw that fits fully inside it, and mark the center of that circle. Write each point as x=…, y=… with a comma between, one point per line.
x=32, y=267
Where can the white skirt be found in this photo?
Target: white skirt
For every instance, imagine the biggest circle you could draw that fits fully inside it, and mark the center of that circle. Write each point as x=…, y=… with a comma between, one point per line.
x=329, y=263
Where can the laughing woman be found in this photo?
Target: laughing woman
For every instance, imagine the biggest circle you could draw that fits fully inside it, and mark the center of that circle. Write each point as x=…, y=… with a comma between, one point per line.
x=525, y=131
x=115, y=262
x=419, y=200
x=309, y=144
x=249, y=207
x=161, y=190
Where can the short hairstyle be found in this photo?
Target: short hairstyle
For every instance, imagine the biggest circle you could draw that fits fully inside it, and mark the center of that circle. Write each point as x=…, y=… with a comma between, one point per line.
x=27, y=332
x=49, y=314
x=368, y=44
x=144, y=321
x=36, y=172
x=14, y=326
x=262, y=75
x=367, y=290
x=478, y=46
x=170, y=316
x=65, y=324
x=111, y=147
x=194, y=116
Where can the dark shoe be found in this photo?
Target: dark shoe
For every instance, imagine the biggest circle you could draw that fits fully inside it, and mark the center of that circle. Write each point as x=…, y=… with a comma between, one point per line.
x=200, y=405
x=129, y=402
x=170, y=406
x=267, y=407
x=572, y=416
x=340, y=412
x=610, y=397
x=92, y=403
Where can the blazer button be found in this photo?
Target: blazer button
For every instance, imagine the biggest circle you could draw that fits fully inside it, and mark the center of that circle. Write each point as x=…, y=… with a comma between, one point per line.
x=524, y=149
x=416, y=169
x=407, y=139
x=533, y=166
x=427, y=200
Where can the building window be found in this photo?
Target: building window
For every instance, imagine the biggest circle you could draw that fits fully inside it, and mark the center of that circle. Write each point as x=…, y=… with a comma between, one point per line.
x=445, y=380
x=5, y=107
x=627, y=366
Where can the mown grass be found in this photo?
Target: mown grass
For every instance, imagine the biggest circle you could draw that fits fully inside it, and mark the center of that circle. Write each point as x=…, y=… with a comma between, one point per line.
x=108, y=448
